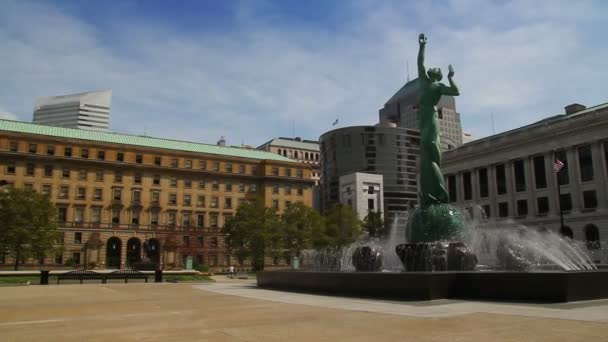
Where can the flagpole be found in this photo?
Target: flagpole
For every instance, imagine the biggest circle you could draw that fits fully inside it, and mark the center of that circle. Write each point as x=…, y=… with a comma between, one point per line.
x=559, y=204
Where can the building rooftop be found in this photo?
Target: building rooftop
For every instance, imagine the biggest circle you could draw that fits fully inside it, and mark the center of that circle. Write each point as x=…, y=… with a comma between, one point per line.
x=543, y=122
x=101, y=96
x=293, y=143
x=135, y=140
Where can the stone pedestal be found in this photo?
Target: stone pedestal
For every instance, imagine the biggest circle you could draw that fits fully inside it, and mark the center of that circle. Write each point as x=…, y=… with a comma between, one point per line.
x=436, y=256
x=367, y=259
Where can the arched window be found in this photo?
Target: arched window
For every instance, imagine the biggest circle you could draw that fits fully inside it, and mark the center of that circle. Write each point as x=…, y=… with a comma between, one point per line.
x=306, y=155
x=279, y=151
x=284, y=153
x=566, y=232
x=592, y=235
x=295, y=154
x=317, y=156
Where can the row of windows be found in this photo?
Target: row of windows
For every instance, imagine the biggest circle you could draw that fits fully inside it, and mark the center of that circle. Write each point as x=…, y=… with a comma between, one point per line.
x=542, y=206
x=294, y=154
x=139, y=158
x=585, y=168
x=117, y=195
x=64, y=190
x=154, y=217
x=66, y=172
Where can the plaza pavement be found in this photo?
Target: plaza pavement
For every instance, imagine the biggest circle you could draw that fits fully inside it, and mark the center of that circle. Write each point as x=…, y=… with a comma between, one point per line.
x=235, y=310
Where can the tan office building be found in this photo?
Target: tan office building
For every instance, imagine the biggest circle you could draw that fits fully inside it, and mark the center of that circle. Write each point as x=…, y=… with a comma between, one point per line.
x=304, y=151
x=123, y=190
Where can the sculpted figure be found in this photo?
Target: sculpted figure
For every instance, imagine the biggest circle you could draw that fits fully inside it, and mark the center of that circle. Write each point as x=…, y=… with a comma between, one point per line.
x=432, y=186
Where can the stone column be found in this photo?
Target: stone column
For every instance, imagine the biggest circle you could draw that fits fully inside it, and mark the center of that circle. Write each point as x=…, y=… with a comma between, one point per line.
x=123, y=253
x=492, y=192
x=460, y=188
x=510, y=184
x=574, y=186
x=475, y=185
x=551, y=187
x=528, y=168
x=599, y=176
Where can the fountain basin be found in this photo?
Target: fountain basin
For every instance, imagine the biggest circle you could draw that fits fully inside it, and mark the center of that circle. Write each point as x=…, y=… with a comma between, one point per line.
x=538, y=286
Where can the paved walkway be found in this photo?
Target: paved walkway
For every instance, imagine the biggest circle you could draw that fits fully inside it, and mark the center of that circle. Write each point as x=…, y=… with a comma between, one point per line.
x=233, y=310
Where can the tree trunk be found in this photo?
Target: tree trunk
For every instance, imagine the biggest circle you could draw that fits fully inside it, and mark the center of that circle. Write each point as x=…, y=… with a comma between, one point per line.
x=17, y=256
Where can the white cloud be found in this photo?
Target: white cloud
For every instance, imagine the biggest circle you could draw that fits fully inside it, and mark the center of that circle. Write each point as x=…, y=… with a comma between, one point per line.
x=7, y=115
x=520, y=61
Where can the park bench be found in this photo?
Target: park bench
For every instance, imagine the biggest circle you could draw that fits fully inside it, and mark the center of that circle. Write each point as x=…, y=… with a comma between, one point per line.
x=126, y=275
x=242, y=275
x=80, y=275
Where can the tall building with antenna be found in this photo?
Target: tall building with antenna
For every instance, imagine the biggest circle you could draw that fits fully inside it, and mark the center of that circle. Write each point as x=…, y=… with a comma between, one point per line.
x=402, y=109
x=89, y=110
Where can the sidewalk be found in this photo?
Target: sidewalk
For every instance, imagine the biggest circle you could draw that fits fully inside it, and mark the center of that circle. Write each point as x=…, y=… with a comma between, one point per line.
x=235, y=310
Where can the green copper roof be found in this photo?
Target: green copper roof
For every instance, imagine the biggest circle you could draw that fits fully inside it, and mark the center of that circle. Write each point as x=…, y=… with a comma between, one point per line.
x=135, y=140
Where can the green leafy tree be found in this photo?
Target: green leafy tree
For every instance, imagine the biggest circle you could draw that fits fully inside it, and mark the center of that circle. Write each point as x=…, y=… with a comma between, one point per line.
x=373, y=224
x=252, y=232
x=342, y=227
x=27, y=224
x=299, y=224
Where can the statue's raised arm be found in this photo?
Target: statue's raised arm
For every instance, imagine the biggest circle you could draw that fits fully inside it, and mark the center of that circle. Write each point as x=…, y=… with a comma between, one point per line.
x=421, y=69
x=452, y=89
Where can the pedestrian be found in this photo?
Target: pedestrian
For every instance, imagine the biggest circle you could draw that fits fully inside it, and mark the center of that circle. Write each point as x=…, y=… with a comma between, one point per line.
x=231, y=273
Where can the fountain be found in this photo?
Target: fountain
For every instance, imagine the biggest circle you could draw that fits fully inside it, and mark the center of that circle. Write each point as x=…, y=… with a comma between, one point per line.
x=440, y=254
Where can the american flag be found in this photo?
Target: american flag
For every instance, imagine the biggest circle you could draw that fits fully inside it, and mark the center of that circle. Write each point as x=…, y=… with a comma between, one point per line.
x=558, y=165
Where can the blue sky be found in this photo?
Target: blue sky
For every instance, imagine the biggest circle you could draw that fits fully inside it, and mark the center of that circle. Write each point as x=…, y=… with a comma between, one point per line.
x=253, y=70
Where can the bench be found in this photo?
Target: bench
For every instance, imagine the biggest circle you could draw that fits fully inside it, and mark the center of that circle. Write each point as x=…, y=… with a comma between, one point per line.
x=242, y=275
x=80, y=275
x=126, y=275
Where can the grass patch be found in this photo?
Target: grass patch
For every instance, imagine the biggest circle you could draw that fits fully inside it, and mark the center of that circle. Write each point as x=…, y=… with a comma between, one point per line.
x=187, y=277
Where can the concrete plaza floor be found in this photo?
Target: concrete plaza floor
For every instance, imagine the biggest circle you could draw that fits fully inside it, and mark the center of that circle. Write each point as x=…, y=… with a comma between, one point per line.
x=235, y=310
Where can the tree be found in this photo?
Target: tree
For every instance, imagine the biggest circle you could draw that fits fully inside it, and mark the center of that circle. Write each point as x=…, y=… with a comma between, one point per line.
x=252, y=231
x=373, y=224
x=298, y=224
x=342, y=227
x=27, y=224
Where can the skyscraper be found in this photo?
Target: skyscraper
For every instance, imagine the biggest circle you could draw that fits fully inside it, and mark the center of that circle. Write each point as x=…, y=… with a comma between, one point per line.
x=90, y=110
x=402, y=109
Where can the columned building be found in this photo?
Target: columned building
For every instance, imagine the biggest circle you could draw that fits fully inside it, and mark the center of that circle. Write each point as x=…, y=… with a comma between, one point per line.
x=383, y=150
x=113, y=192
x=511, y=176
x=90, y=110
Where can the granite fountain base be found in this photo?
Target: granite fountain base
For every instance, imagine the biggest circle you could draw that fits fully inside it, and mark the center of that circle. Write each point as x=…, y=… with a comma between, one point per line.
x=534, y=286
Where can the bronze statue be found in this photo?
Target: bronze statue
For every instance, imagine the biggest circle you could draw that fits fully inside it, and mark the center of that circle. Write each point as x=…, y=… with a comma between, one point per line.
x=432, y=187
x=435, y=219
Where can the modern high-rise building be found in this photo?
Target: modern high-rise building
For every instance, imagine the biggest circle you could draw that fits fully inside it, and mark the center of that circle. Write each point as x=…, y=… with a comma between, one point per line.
x=402, y=109
x=90, y=110
x=383, y=149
